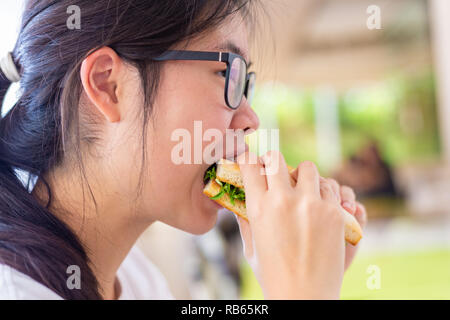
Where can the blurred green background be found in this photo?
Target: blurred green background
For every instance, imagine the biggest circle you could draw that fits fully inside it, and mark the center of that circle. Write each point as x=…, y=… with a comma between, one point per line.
x=408, y=275
x=399, y=113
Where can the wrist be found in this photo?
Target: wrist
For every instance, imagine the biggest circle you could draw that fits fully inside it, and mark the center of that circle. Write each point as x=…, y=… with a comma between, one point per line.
x=301, y=292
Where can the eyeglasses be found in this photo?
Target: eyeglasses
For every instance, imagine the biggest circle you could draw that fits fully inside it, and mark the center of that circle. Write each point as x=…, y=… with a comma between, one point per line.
x=238, y=82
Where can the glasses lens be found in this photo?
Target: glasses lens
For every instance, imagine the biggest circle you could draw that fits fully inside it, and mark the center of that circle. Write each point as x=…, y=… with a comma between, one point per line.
x=251, y=87
x=236, y=82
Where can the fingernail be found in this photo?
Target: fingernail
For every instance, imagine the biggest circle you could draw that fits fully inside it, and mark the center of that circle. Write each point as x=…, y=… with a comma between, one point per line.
x=308, y=163
x=349, y=205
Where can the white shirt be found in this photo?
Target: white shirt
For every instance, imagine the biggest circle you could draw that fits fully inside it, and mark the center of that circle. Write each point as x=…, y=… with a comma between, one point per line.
x=139, y=279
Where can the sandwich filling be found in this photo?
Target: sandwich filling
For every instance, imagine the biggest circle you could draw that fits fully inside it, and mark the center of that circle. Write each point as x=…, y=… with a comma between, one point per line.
x=233, y=192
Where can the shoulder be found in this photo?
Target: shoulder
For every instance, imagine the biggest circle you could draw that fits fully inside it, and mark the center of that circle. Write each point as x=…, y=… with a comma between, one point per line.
x=15, y=285
x=140, y=278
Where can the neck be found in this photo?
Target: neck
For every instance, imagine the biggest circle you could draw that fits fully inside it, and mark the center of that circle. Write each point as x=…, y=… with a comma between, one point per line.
x=107, y=231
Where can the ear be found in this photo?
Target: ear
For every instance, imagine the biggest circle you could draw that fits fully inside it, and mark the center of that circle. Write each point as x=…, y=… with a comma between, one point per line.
x=99, y=75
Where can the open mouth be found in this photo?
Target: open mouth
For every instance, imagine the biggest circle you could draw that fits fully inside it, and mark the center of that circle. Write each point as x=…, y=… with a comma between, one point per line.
x=210, y=173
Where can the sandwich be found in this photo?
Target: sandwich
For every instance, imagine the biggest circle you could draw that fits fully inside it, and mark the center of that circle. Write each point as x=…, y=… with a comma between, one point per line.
x=224, y=184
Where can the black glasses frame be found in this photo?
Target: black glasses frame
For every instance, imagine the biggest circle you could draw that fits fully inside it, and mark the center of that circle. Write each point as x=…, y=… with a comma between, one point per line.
x=226, y=57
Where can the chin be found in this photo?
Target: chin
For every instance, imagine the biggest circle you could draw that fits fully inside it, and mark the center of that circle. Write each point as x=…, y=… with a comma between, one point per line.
x=199, y=215
x=201, y=221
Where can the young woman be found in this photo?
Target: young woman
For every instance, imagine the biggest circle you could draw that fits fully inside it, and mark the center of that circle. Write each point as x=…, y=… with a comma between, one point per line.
x=94, y=121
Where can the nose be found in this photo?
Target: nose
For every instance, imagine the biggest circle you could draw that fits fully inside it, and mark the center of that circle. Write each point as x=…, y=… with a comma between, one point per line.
x=245, y=117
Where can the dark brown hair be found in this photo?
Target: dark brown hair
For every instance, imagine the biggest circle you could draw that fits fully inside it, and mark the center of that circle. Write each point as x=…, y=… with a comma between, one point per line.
x=44, y=126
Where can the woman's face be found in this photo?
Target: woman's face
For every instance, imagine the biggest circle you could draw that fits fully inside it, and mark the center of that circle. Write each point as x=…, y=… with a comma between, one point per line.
x=189, y=91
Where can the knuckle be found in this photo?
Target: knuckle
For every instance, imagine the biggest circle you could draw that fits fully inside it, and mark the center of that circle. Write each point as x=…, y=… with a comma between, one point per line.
x=347, y=191
x=325, y=191
x=277, y=202
x=330, y=209
x=326, y=188
x=333, y=182
x=332, y=214
x=309, y=204
x=272, y=155
x=335, y=188
x=322, y=212
x=271, y=160
x=308, y=164
x=325, y=184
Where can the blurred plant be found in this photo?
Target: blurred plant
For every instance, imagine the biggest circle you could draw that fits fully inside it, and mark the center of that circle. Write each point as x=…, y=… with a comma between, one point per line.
x=399, y=113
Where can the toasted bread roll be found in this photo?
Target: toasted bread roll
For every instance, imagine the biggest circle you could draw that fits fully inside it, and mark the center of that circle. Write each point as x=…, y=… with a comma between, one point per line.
x=212, y=188
x=353, y=231
x=228, y=171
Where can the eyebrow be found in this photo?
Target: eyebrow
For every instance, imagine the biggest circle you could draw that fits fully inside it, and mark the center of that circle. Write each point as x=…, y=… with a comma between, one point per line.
x=230, y=46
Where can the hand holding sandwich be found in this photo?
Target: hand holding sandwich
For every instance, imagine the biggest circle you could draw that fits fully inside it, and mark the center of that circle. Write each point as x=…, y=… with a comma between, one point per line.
x=294, y=237
x=347, y=198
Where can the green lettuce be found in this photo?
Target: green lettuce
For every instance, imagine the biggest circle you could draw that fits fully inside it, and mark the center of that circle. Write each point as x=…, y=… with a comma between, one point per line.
x=233, y=192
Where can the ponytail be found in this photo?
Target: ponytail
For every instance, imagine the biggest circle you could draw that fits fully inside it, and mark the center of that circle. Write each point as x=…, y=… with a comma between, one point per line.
x=4, y=86
x=32, y=240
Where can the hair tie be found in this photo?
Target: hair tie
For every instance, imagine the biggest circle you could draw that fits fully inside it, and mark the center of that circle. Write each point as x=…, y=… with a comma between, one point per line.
x=9, y=68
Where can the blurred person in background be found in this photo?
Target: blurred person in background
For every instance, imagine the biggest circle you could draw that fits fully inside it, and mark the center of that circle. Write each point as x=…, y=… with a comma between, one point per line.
x=367, y=173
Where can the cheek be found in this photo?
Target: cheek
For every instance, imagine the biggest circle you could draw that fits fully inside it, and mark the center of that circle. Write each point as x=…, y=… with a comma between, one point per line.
x=192, y=86
x=184, y=103
x=175, y=190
